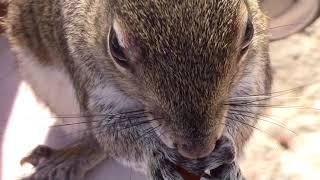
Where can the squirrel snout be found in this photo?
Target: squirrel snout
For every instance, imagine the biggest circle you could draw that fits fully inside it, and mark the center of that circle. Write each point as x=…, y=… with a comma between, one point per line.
x=195, y=149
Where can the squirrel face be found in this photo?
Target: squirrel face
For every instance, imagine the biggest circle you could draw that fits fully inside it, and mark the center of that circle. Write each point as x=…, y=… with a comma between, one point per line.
x=181, y=60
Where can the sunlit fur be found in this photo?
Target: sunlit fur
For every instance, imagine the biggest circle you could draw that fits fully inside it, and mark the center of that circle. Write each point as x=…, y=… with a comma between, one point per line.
x=185, y=66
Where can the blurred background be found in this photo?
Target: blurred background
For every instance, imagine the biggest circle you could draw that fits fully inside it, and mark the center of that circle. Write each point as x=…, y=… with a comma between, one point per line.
x=275, y=152
x=286, y=144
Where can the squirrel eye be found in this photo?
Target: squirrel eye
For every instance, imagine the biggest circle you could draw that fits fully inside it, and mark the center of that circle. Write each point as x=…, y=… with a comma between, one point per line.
x=116, y=50
x=247, y=37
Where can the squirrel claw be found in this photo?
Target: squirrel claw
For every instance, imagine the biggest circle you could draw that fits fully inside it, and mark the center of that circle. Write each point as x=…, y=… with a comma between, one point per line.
x=54, y=164
x=39, y=154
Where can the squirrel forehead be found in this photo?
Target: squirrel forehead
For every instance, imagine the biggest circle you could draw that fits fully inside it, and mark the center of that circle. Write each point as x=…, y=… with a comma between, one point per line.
x=164, y=24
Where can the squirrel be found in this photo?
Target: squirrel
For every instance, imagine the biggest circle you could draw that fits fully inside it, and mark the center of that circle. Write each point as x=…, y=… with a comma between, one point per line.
x=158, y=84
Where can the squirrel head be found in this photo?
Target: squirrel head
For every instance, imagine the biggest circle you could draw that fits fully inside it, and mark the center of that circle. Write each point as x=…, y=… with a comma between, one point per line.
x=181, y=60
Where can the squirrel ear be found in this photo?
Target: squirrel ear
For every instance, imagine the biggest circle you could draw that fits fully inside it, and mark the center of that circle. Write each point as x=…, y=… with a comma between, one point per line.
x=3, y=13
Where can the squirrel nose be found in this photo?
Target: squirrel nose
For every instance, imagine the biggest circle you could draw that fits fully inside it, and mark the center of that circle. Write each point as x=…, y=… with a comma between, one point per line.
x=195, y=150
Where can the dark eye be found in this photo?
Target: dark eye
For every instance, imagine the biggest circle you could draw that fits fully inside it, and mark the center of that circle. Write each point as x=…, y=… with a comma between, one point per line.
x=247, y=38
x=116, y=50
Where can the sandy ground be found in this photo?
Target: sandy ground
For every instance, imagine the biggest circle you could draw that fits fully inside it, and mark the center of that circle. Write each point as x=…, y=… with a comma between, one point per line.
x=274, y=152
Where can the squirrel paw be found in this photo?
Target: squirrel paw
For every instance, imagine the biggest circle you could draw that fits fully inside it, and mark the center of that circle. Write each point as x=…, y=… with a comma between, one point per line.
x=53, y=164
x=227, y=172
x=39, y=154
x=161, y=168
x=224, y=153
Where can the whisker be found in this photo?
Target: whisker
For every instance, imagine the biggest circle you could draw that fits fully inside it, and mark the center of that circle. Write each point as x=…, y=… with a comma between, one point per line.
x=275, y=106
x=267, y=96
x=252, y=97
x=254, y=113
x=149, y=130
x=96, y=121
x=225, y=124
x=101, y=129
x=126, y=127
x=248, y=101
x=274, y=123
x=71, y=116
x=248, y=125
x=138, y=124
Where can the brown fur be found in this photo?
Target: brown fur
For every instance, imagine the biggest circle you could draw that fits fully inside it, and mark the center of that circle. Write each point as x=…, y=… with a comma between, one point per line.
x=185, y=65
